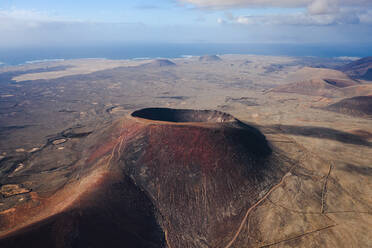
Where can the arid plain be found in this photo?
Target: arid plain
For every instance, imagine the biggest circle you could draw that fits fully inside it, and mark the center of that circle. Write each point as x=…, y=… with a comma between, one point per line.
x=315, y=113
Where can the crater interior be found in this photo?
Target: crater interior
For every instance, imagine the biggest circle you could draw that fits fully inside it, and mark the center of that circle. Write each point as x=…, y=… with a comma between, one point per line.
x=183, y=115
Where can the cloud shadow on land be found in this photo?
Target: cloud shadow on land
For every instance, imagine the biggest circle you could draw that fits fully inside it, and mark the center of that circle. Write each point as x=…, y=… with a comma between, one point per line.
x=362, y=170
x=321, y=133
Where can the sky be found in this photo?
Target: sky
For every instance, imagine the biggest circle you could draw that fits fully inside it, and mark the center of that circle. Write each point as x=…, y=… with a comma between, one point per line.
x=71, y=22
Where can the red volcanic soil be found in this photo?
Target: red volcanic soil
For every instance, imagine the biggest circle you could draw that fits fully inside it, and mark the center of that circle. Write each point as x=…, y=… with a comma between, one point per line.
x=158, y=178
x=356, y=106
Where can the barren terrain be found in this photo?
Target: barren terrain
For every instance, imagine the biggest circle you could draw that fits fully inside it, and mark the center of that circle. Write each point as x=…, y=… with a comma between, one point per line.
x=63, y=125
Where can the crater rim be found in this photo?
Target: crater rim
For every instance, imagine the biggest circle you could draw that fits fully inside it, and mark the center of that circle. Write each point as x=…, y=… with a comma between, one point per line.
x=172, y=115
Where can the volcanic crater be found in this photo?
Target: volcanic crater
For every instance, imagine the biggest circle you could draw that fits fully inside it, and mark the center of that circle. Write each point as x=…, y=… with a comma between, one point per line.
x=157, y=178
x=182, y=115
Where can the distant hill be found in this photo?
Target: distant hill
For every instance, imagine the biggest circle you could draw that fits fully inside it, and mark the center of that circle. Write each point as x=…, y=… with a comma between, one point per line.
x=359, y=69
x=160, y=63
x=326, y=88
x=307, y=73
x=360, y=106
x=319, y=82
x=313, y=87
x=209, y=58
x=247, y=62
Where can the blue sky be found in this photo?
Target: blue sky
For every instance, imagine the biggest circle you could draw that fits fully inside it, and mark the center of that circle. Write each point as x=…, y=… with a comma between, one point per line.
x=28, y=22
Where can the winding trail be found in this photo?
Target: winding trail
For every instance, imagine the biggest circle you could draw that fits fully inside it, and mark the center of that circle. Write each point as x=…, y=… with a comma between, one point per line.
x=253, y=207
x=307, y=153
x=324, y=191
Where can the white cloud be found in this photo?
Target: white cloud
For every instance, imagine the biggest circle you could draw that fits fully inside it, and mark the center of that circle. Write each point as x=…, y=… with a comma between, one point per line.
x=26, y=15
x=319, y=7
x=273, y=3
x=19, y=19
x=247, y=20
x=366, y=17
x=303, y=18
x=347, y=58
x=29, y=27
x=19, y=27
x=220, y=21
x=315, y=12
x=247, y=3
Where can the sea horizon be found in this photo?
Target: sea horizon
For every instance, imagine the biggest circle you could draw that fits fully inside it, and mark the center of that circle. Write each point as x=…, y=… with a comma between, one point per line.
x=35, y=54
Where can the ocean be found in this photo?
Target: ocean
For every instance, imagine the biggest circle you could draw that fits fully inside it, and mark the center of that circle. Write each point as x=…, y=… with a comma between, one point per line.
x=32, y=54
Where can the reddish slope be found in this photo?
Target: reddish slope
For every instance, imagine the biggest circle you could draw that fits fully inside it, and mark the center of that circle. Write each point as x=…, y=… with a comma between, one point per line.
x=144, y=182
x=201, y=175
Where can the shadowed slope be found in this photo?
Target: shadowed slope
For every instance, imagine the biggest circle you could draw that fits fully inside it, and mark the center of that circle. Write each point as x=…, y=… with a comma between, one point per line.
x=209, y=58
x=116, y=214
x=159, y=63
x=323, y=133
x=314, y=87
x=92, y=204
x=160, y=177
x=361, y=69
x=356, y=106
x=202, y=175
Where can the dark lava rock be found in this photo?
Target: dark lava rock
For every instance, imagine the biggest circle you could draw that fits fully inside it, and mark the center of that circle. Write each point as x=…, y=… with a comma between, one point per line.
x=157, y=178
